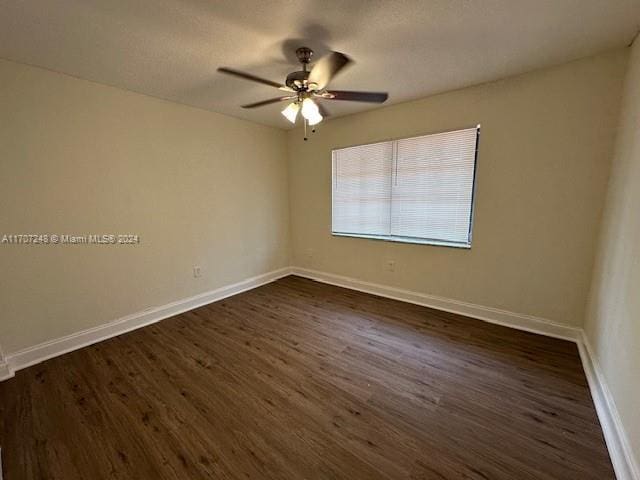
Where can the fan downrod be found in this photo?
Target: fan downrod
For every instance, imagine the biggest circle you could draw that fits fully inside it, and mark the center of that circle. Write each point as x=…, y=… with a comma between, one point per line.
x=298, y=80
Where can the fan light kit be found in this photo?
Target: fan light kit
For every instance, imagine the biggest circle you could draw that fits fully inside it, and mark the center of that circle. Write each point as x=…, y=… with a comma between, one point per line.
x=305, y=87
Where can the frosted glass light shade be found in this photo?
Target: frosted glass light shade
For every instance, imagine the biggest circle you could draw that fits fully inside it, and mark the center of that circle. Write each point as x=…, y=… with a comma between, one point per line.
x=291, y=112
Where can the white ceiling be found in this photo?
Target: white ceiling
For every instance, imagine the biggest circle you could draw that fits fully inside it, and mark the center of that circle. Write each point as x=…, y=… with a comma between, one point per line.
x=171, y=48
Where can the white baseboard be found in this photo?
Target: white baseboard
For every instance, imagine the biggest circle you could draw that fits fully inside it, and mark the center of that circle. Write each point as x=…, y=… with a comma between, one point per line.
x=44, y=351
x=5, y=372
x=519, y=321
x=624, y=464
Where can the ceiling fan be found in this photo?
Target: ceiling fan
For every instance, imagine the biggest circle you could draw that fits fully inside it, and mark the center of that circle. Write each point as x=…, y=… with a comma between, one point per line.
x=304, y=87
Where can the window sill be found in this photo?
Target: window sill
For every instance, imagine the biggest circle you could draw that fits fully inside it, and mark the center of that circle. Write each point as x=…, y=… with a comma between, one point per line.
x=415, y=241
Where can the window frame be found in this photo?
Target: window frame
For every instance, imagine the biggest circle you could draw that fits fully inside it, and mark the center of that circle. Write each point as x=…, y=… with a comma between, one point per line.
x=411, y=240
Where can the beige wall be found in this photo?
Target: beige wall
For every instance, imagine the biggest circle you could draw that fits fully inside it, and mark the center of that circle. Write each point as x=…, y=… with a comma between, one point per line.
x=75, y=157
x=205, y=189
x=544, y=161
x=613, y=317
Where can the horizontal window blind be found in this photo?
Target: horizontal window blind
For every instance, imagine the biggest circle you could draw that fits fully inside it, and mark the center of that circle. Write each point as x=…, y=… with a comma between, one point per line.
x=415, y=189
x=362, y=189
x=433, y=186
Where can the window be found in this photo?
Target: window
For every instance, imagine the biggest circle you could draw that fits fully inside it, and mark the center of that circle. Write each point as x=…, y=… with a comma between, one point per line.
x=416, y=190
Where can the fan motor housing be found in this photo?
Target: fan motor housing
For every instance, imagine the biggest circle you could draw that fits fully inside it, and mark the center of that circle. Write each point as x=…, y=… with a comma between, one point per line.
x=297, y=80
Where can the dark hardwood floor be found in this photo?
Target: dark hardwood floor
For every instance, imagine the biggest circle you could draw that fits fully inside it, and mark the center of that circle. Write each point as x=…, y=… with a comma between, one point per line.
x=301, y=380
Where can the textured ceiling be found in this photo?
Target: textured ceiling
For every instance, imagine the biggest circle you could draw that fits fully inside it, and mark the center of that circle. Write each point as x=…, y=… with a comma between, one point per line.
x=171, y=48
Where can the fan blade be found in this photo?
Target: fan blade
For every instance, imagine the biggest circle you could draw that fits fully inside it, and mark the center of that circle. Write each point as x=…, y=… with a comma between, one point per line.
x=268, y=102
x=326, y=68
x=253, y=78
x=372, y=97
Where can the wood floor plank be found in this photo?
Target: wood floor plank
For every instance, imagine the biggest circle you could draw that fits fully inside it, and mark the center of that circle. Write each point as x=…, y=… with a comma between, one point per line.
x=302, y=380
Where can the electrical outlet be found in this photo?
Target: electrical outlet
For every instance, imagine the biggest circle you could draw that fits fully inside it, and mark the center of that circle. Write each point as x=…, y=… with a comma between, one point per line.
x=196, y=271
x=391, y=265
